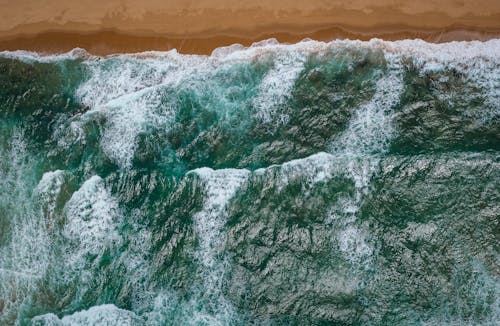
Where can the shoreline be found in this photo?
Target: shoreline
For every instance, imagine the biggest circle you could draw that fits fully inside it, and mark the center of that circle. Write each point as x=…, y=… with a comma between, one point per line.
x=199, y=27
x=103, y=43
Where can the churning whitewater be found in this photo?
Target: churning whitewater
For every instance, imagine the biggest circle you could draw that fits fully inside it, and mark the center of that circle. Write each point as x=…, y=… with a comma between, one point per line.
x=345, y=183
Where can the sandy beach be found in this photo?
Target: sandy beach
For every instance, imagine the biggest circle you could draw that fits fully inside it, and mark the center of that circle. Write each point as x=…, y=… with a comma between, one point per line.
x=104, y=27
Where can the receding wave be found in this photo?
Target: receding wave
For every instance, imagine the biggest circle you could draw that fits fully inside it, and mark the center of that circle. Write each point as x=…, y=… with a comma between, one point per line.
x=345, y=182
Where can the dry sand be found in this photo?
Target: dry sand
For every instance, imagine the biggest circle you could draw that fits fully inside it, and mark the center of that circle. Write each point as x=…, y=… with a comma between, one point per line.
x=109, y=26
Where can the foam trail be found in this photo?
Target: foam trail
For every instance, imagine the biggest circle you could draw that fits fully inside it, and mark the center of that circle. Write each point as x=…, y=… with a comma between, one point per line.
x=220, y=186
x=277, y=84
x=370, y=130
x=366, y=137
x=92, y=214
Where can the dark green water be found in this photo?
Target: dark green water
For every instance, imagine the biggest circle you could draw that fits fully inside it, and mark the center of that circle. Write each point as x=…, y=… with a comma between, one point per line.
x=349, y=183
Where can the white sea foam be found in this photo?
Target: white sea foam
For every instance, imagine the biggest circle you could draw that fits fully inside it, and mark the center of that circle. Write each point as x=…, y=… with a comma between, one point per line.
x=91, y=215
x=316, y=168
x=103, y=315
x=51, y=183
x=353, y=244
x=32, y=57
x=451, y=51
x=277, y=84
x=126, y=118
x=48, y=190
x=321, y=167
x=367, y=136
x=90, y=228
x=127, y=93
x=220, y=186
x=115, y=77
x=350, y=236
x=370, y=130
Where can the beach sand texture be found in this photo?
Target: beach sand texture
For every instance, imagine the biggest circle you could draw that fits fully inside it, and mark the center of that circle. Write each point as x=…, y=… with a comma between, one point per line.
x=104, y=27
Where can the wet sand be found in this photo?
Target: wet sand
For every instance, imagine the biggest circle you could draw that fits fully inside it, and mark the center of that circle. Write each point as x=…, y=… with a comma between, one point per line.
x=104, y=27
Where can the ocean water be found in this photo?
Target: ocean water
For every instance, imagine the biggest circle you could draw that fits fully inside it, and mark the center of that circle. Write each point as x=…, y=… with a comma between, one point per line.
x=341, y=183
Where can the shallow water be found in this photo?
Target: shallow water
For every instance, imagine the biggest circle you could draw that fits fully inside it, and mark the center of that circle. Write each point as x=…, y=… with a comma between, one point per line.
x=350, y=183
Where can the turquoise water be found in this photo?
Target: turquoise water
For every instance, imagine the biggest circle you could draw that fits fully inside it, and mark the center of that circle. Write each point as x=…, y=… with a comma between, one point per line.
x=342, y=183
